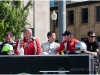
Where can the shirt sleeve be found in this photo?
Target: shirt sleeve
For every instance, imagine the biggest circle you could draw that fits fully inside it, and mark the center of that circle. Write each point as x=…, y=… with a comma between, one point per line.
x=61, y=47
x=1, y=46
x=97, y=45
x=57, y=46
x=42, y=49
x=38, y=47
x=98, y=50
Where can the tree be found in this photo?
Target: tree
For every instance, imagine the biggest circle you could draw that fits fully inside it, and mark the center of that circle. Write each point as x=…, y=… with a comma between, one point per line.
x=13, y=17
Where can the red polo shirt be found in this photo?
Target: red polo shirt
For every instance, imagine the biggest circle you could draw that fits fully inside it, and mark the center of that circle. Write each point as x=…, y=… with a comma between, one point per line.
x=70, y=45
x=30, y=50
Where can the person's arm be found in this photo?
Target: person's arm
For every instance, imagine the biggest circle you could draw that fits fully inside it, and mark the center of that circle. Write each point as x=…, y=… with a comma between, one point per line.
x=94, y=53
x=1, y=46
x=97, y=52
x=57, y=46
x=60, y=48
x=38, y=47
x=15, y=49
x=42, y=49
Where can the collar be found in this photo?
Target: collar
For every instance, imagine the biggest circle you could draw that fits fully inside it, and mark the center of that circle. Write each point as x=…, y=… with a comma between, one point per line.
x=50, y=42
x=9, y=42
x=27, y=40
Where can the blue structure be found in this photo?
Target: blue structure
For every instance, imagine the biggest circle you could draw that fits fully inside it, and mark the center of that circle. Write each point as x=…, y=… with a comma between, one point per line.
x=52, y=3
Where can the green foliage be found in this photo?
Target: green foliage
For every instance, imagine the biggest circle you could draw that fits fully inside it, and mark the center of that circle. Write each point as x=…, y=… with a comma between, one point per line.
x=13, y=17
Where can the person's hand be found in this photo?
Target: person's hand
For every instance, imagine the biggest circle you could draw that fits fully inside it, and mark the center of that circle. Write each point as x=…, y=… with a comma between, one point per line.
x=18, y=53
x=88, y=52
x=93, y=53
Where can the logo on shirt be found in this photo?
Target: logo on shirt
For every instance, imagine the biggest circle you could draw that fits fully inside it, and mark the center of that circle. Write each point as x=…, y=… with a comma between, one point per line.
x=91, y=47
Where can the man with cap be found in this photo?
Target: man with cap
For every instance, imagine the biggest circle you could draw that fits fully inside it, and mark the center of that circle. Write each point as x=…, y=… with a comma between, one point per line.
x=68, y=44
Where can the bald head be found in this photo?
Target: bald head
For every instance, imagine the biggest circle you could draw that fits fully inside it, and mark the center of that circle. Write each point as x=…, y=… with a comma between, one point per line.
x=28, y=30
x=27, y=33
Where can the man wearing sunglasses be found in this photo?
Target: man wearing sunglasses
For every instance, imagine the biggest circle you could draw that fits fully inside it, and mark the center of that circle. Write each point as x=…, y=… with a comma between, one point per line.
x=93, y=48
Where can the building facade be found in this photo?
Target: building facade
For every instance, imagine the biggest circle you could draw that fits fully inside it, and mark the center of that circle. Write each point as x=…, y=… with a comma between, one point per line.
x=81, y=17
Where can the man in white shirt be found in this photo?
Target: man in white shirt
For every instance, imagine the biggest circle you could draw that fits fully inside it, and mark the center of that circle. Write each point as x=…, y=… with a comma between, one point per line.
x=51, y=46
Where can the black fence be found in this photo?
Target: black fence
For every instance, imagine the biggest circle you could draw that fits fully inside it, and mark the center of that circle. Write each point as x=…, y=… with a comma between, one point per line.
x=38, y=64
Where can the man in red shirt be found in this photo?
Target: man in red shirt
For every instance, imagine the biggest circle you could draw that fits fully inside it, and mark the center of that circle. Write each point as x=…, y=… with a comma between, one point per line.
x=30, y=44
x=68, y=44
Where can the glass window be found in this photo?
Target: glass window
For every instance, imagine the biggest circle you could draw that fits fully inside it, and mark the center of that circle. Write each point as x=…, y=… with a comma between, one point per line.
x=98, y=39
x=82, y=39
x=97, y=13
x=84, y=15
x=32, y=31
x=70, y=17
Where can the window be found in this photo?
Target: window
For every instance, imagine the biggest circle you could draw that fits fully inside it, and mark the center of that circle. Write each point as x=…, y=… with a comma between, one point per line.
x=98, y=13
x=98, y=39
x=70, y=17
x=32, y=31
x=84, y=15
x=82, y=39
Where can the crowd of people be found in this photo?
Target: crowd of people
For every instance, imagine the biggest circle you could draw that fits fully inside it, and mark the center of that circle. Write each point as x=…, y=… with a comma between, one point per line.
x=30, y=45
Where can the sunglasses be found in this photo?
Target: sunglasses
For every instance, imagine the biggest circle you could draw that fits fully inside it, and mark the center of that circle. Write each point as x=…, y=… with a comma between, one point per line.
x=92, y=36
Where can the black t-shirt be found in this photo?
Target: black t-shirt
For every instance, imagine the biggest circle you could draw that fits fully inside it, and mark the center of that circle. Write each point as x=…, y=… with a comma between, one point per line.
x=92, y=46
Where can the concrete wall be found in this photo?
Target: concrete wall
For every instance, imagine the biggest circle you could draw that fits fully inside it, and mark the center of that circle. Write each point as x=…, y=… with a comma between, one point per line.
x=30, y=16
x=41, y=19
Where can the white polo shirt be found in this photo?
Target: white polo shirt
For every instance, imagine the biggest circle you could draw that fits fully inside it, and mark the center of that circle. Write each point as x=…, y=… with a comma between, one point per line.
x=50, y=47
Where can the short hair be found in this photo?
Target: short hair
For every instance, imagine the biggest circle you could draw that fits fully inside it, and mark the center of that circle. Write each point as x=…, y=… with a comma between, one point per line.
x=49, y=33
x=27, y=29
x=67, y=33
x=90, y=32
x=9, y=33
